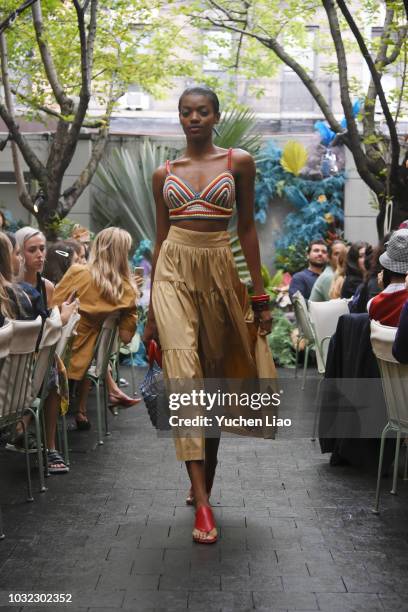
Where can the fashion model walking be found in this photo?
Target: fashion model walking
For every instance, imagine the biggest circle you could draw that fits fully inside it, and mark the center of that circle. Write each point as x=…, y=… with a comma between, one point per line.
x=199, y=306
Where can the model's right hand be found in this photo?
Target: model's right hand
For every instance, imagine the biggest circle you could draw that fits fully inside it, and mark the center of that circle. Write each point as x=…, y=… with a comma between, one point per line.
x=150, y=332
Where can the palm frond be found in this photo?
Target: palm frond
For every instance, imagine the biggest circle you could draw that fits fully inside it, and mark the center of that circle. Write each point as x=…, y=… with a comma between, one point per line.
x=236, y=129
x=123, y=193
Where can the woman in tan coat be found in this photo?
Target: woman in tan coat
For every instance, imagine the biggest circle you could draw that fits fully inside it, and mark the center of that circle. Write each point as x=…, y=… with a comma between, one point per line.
x=103, y=286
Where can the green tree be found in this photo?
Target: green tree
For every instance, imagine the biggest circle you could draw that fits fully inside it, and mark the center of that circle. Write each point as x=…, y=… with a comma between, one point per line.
x=57, y=56
x=266, y=32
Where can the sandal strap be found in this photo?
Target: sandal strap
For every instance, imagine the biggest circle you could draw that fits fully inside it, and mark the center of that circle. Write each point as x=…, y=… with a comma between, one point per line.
x=204, y=519
x=54, y=457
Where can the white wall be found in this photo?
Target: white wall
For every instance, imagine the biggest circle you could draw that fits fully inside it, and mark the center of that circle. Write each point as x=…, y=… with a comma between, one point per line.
x=359, y=212
x=40, y=144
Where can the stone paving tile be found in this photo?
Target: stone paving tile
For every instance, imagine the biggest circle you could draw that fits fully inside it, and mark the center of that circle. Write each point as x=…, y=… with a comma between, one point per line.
x=312, y=584
x=350, y=602
x=123, y=581
x=393, y=603
x=284, y=601
x=155, y=600
x=207, y=600
x=295, y=534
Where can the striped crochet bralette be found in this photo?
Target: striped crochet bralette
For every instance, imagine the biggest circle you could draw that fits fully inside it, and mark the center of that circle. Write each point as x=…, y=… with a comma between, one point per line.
x=215, y=201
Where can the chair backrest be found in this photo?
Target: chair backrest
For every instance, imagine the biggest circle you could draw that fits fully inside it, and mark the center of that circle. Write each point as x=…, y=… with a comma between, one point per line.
x=302, y=316
x=67, y=332
x=105, y=344
x=6, y=333
x=15, y=376
x=324, y=317
x=394, y=375
x=49, y=339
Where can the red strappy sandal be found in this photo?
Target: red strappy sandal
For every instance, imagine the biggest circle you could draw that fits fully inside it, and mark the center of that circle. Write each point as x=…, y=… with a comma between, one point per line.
x=204, y=521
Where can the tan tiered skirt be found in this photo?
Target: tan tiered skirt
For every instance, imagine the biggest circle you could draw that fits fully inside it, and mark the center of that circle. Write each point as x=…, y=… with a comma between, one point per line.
x=203, y=317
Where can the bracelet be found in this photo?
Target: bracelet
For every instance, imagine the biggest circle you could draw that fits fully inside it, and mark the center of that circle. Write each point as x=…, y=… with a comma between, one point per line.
x=259, y=306
x=260, y=298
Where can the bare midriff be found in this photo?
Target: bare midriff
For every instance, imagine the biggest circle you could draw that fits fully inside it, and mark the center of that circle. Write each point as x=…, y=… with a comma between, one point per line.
x=202, y=225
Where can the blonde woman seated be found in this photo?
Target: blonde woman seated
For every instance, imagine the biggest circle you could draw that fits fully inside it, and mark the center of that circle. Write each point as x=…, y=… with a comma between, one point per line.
x=103, y=286
x=339, y=276
x=32, y=296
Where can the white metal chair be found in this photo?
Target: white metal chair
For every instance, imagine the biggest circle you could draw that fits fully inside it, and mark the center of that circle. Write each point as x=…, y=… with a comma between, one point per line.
x=44, y=362
x=394, y=378
x=97, y=372
x=324, y=317
x=6, y=333
x=306, y=332
x=126, y=350
x=15, y=380
x=67, y=333
x=63, y=351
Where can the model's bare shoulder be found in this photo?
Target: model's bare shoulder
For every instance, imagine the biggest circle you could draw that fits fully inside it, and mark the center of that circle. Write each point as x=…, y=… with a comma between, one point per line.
x=243, y=161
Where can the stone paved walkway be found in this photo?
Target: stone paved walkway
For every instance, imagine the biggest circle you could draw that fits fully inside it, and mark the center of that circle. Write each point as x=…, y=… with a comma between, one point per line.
x=296, y=534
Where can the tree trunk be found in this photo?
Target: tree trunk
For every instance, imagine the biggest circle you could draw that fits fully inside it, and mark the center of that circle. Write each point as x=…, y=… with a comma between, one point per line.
x=47, y=217
x=399, y=194
x=400, y=210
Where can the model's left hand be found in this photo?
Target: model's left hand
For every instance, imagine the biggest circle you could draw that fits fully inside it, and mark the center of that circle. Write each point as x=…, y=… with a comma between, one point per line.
x=264, y=321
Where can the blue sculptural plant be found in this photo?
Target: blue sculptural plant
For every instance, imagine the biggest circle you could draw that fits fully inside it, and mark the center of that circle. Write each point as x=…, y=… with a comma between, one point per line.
x=318, y=205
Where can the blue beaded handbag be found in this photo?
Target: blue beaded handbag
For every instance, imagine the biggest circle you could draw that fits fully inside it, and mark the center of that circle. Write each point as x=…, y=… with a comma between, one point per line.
x=153, y=390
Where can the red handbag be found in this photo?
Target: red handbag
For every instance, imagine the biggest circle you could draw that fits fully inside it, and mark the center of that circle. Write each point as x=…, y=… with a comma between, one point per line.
x=154, y=353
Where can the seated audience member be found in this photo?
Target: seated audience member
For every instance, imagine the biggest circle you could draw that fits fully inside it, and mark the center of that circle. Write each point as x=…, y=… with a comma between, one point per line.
x=400, y=346
x=304, y=280
x=3, y=221
x=386, y=307
x=15, y=255
x=14, y=303
x=79, y=249
x=339, y=275
x=103, y=286
x=82, y=235
x=40, y=291
x=370, y=287
x=60, y=257
x=355, y=271
x=321, y=288
x=32, y=244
